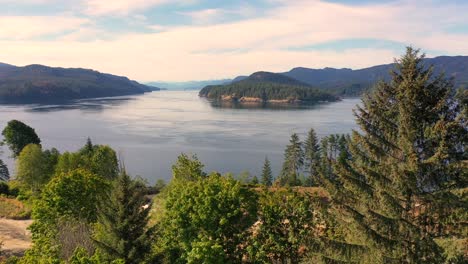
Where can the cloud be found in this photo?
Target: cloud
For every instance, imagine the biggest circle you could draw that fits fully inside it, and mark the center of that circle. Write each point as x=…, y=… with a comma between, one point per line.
x=216, y=50
x=124, y=7
x=217, y=15
x=205, y=16
x=27, y=27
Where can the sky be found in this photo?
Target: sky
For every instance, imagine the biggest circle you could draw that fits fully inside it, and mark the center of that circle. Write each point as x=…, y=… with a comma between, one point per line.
x=181, y=40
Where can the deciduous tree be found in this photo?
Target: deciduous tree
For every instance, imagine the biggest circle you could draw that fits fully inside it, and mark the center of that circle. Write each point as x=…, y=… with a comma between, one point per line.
x=18, y=135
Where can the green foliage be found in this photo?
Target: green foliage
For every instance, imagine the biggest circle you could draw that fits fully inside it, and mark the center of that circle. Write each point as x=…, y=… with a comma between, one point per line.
x=254, y=180
x=393, y=185
x=267, y=91
x=4, y=188
x=188, y=168
x=81, y=256
x=4, y=173
x=64, y=212
x=34, y=168
x=122, y=229
x=157, y=188
x=267, y=174
x=99, y=159
x=293, y=162
x=206, y=219
x=455, y=249
x=333, y=148
x=284, y=229
x=244, y=177
x=18, y=135
x=73, y=194
x=311, y=157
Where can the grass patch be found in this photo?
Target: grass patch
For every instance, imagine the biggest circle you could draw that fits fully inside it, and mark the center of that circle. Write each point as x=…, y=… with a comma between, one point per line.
x=455, y=249
x=13, y=209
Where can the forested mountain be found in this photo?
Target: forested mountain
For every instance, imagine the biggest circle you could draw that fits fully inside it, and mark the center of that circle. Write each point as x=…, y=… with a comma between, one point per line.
x=263, y=87
x=348, y=82
x=354, y=82
x=38, y=83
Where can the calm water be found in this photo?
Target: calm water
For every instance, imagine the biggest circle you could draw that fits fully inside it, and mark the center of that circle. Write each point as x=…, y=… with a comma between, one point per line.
x=149, y=131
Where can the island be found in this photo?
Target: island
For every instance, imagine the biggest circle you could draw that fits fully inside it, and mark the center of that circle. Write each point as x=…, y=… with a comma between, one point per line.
x=266, y=88
x=43, y=84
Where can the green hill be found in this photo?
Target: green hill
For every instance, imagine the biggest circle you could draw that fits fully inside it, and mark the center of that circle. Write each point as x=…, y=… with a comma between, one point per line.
x=40, y=84
x=266, y=87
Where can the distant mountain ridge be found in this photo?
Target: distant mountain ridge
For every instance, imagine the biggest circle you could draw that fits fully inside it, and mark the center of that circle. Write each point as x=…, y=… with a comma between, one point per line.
x=348, y=82
x=189, y=85
x=38, y=83
x=353, y=82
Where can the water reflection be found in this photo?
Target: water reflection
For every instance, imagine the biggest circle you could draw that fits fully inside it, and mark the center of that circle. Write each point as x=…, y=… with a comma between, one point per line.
x=87, y=105
x=266, y=106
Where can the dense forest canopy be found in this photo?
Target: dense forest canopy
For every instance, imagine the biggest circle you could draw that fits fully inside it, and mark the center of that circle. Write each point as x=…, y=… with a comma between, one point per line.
x=266, y=87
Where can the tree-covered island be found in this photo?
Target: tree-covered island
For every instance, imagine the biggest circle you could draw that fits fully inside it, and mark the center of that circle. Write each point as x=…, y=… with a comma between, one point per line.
x=267, y=87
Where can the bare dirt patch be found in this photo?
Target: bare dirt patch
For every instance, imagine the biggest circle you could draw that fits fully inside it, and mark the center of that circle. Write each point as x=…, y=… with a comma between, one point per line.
x=15, y=237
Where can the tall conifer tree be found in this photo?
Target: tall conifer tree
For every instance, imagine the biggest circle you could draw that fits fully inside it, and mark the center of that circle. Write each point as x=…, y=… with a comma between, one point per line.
x=395, y=190
x=267, y=175
x=293, y=162
x=311, y=156
x=123, y=231
x=4, y=173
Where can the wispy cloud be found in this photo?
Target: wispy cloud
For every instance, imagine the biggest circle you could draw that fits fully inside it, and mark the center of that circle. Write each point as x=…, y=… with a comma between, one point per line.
x=218, y=15
x=210, y=47
x=124, y=7
x=27, y=27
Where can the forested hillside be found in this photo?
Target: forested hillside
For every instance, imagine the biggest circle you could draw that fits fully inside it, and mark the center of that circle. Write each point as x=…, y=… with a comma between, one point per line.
x=266, y=87
x=38, y=83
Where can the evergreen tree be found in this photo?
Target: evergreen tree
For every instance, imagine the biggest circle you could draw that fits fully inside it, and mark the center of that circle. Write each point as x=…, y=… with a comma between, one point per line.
x=267, y=175
x=88, y=147
x=254, y=180
x=293, y=162
x=4, y=173
x=123, y=231
x=395, y=191
x=311, y=156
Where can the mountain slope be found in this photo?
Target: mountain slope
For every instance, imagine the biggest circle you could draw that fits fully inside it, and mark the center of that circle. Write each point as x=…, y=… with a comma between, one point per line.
x=38, y=84
x=354, y=82
x=266, y=87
